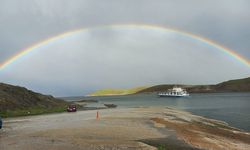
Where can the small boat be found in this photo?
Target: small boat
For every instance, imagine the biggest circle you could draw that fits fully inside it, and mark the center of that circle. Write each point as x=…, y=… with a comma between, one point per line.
x=110, y=105
x=175, y=92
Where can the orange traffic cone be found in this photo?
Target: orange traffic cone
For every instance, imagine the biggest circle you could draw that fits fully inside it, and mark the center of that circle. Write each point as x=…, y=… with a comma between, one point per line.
x=97, y=115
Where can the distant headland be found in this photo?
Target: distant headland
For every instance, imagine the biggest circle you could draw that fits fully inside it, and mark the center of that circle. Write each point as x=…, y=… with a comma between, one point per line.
x=238, y=85
x=110, y=92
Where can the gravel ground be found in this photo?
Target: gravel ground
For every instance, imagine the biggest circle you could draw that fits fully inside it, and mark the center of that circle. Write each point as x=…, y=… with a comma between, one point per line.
x=116, y=129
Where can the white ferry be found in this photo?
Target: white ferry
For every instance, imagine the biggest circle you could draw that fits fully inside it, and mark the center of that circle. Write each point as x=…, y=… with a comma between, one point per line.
x=175, y=92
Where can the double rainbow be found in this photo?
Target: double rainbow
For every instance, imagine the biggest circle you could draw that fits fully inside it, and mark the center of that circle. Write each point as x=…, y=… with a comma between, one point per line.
x=206, y=41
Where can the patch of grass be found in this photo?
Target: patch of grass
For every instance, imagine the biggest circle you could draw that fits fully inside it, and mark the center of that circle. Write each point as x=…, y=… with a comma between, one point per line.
x=117, y=91
x=32, y=111
x=161, y=147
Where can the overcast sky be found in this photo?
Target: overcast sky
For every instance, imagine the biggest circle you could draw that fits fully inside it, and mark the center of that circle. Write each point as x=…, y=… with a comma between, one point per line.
x=121, y=57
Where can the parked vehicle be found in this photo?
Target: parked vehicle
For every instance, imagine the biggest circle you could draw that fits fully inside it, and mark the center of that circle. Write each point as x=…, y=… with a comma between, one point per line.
x=72, y=108
x=1, y=123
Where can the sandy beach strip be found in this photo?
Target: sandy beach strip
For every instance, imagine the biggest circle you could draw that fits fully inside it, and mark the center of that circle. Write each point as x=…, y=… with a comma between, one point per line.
x=146, y=128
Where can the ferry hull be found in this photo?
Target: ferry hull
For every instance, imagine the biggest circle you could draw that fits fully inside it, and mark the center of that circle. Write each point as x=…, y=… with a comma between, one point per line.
x=173, y=95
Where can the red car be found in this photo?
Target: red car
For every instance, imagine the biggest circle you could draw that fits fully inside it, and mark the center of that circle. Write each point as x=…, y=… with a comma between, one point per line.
x=72, y=108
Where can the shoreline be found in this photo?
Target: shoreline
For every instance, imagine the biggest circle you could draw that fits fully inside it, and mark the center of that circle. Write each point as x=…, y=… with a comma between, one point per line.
x=218, y=112
x=141, y=128
x=155, y=92
x=205, y=133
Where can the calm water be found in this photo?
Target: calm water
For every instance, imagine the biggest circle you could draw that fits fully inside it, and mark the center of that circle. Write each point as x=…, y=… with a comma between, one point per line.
x=233, y=108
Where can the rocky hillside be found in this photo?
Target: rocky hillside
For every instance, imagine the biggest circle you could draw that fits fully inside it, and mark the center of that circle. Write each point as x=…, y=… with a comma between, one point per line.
x=239, y=85
x=17, y=101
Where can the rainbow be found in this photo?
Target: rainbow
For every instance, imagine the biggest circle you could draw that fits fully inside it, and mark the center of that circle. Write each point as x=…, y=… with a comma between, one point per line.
x=206, y=41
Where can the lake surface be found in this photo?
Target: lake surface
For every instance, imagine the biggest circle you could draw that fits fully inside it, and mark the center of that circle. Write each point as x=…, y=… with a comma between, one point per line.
x=233, y=108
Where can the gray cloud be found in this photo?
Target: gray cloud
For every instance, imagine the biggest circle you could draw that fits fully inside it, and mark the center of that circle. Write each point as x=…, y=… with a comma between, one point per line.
x=100, y=58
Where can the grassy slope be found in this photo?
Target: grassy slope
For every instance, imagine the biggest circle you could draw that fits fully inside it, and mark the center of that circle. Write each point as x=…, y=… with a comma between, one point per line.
x=106, y=92
x=19, y=101
x=240, y=85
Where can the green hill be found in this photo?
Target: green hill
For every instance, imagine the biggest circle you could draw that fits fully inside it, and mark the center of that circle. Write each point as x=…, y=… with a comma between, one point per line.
x=19, y=101
x=239, y=85
x=108, y=92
